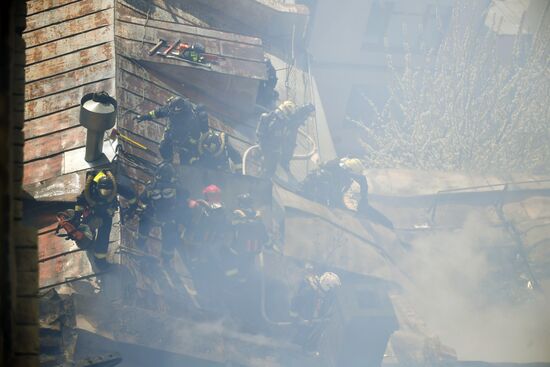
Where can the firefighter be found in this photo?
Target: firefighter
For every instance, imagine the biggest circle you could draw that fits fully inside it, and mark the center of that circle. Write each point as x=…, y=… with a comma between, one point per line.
x=210, y=223
x=277, y=132
x=249, y=236
x=95, y=208
x=158, y=207
x=186, y=122
x=267, y=95
x=215, y=152
x=328, y=183
x=312, y=307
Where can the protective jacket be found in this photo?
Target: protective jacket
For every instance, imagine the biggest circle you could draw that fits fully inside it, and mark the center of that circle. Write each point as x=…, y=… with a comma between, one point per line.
x=186, y=122
x=216, y=152
x=249, y=231
x=276, y=135
x=330, y=181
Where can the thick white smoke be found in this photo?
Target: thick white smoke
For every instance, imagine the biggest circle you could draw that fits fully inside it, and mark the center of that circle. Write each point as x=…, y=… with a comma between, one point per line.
x=457, y=289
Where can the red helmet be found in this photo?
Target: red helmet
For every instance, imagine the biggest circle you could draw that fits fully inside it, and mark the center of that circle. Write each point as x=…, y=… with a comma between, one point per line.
x=212, y=193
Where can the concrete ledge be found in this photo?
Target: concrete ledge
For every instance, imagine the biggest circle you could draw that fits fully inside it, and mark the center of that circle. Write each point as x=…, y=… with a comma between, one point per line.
x=411, y=183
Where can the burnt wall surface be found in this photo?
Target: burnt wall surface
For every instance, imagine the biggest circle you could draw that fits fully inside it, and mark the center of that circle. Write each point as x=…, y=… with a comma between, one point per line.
x=18, y=254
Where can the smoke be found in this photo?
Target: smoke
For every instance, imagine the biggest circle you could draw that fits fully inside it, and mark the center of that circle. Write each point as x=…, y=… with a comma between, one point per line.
x=470, y=299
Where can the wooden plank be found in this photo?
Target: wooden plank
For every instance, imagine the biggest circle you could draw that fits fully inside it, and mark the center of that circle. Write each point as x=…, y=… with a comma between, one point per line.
x=50, y=244
x=58, y=121
x=136, y=104
x=189, y=91
x=147, y=133
x=151, y=156
x=131, y=81
x=68, y=62
x=69, y=28
x=69, y=80
x=154, y=12
x=63, y=188
x=58, y=102
x=42, y=169
x=37, y=6
x=239, y=94
x=193, y=30
x=180, y=15
x=54, y=143
x=141, y=87
x=142, y=79
x=223, y=48
x=69, y=44
x=65, y=267
x=65, y=13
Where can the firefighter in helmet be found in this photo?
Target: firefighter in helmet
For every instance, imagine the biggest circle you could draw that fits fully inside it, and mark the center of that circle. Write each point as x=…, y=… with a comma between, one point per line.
x=215, y=152
x=249, y=236
x=95, y=208
x=158, y=207
x=328, y=183
x=277, y=132
x=210, y=223
x=186, y=122
x=312, y=307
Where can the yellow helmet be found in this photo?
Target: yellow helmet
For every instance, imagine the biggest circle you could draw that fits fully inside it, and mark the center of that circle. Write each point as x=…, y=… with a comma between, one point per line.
x=287, y=108
x=352, y=164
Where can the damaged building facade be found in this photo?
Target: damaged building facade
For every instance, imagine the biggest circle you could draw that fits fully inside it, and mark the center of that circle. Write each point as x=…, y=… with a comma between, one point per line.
x=138, y=313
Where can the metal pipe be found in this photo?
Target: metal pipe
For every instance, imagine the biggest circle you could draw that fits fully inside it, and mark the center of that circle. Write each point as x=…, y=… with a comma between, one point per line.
x=97, y=114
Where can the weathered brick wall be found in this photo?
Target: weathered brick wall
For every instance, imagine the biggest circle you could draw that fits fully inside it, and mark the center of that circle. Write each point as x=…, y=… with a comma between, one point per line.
x=19, y=343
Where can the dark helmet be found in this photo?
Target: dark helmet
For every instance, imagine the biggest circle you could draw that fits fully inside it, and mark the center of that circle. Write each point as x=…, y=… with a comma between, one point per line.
x=198, y=47
x=212, y=143
x=178, y=104
x=165, y=173
x=244, y=201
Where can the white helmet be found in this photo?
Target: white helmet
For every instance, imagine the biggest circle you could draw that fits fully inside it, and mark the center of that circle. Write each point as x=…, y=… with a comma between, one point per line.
x=329, y=281
x=352, y=164
x=287, y=108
